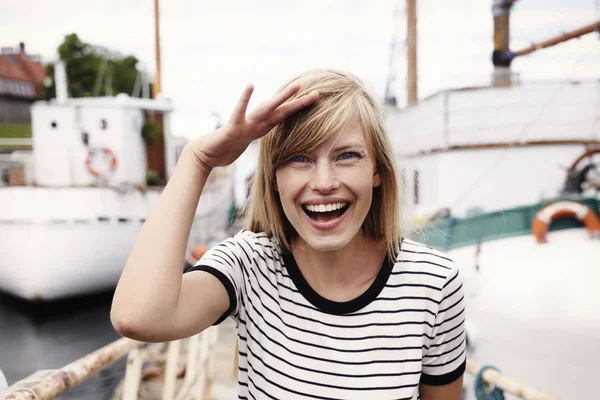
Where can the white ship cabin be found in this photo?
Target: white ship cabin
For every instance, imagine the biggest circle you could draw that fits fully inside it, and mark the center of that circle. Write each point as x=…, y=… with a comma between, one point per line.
x=98, y=141
x=470, y=151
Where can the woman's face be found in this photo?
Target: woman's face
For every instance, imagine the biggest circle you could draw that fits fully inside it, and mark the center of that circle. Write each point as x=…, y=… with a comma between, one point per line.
x=327, y=194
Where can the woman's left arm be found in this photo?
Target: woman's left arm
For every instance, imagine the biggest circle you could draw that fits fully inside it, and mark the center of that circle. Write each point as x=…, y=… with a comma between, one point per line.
x=444, y=360
x=451, y=391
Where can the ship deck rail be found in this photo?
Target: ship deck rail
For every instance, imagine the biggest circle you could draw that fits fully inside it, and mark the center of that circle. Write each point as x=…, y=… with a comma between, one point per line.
x=201, y=367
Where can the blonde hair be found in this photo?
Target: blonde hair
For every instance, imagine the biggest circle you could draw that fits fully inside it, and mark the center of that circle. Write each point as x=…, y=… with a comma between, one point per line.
x=340, y=95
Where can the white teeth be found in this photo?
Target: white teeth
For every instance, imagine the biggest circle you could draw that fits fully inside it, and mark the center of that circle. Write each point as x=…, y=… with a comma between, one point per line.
x=325, y=207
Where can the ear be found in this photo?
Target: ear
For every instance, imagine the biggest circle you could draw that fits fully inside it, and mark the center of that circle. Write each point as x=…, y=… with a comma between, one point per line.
x=376, y=177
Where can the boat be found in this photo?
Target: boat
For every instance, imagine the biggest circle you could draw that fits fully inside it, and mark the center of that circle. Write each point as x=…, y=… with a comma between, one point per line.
x=72, y=219
x=75, y=204
x=505, y=180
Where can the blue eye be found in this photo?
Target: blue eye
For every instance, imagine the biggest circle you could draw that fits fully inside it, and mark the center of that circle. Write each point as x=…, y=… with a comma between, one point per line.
x=349, y=155
x=298, y=159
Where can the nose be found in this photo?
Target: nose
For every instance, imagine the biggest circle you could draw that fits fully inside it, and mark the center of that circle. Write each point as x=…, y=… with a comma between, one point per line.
x=324, y=178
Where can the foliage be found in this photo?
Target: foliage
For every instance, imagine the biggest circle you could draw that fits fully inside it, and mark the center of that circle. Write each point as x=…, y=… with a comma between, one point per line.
x=15, y=131
x=87, y=64
x=151, y=131
x=152, y=178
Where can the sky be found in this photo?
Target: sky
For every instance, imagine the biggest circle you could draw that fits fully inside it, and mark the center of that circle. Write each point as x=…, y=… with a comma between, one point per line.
x=211, y=49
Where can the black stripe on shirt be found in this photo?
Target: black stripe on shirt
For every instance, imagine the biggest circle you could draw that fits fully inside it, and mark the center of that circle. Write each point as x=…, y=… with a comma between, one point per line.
x=228, y=286
x=439, y=380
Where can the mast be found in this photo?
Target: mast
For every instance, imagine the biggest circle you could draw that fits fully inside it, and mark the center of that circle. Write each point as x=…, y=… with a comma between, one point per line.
x=157, y=83
x=411, y=51
x=502, y=57
x=390, y=97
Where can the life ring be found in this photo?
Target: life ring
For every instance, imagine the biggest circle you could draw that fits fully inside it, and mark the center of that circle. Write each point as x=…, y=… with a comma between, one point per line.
x=563, y=209
x=198, y=251
x=112, y=160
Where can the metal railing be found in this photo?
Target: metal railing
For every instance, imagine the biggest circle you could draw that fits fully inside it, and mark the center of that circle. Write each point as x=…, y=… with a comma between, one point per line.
x=16, y=142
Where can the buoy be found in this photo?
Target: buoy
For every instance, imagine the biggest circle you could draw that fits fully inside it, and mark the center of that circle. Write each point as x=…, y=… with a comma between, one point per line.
x=563, y=209
x=198, y=251
x=112, y=160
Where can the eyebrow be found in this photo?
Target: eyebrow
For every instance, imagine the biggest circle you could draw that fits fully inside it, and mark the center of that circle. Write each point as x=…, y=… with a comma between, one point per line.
x=350, y=146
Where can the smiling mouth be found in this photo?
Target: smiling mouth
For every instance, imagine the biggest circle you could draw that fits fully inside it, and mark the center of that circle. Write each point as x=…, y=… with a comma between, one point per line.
x=324, y=213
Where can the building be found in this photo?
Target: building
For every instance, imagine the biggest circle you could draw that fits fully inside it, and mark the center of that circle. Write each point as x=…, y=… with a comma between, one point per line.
x=21, y=76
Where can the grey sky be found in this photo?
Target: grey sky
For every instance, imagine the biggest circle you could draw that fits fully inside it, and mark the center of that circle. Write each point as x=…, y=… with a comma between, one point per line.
x=211, y=49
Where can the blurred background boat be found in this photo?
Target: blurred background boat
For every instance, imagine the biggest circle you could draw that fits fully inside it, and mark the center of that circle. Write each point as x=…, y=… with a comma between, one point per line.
x=506, y=180
x=79, y=199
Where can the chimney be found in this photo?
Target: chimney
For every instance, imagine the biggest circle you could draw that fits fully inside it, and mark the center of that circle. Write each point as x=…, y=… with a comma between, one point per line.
x=60, y=81
x=21, y=48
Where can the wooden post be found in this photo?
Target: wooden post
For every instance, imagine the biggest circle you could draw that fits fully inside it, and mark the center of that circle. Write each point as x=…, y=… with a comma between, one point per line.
x=171, y=370
x=411, y=50
x=157, y=83
x=133, y=375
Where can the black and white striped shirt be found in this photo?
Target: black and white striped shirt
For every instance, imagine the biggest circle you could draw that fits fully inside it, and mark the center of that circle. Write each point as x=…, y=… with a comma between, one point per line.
x=408, y=327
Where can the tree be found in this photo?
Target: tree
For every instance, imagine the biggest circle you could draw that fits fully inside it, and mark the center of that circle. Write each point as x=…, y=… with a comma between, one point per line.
x=94, y=70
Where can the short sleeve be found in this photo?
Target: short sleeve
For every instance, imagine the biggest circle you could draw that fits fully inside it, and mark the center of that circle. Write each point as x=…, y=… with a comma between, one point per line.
x=227, y=262
x=444, y=360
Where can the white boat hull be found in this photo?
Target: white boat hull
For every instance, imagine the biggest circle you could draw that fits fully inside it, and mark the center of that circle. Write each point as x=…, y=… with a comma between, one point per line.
x=75, y=241
x=533, y=311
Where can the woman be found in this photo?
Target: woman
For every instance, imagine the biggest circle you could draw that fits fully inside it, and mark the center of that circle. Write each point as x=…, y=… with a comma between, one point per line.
x=328, y=300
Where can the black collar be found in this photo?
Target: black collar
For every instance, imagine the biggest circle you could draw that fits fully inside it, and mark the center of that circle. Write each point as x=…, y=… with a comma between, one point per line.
x=336, y=307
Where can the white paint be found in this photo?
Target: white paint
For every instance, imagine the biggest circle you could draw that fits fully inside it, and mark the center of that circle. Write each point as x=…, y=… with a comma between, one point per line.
x=491, y=179
x=60, y=82
x=113, y=123
x=498, y=115
x=62, y=249
x=499, y=178
x=54, y=131
x=3, y=381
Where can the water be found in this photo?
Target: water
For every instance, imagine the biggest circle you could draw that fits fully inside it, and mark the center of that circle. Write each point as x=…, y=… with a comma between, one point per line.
x=50, y=336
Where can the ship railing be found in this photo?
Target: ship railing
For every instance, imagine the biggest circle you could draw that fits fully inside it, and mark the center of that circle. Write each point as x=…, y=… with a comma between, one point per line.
x=190, y=379
x=16, y=142
x=185, y=370
x=492, y=378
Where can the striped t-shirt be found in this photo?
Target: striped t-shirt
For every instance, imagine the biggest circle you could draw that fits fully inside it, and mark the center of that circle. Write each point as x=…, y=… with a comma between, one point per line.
x=406, y=328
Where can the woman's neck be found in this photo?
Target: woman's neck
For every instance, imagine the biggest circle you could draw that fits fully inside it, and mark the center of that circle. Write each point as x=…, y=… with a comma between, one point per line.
x=343, y=274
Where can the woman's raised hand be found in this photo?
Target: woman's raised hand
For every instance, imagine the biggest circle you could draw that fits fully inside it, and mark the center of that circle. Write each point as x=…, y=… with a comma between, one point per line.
x=223, y=146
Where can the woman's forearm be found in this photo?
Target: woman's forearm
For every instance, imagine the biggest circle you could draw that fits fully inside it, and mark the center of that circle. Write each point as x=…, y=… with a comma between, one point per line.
x=150, y=284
